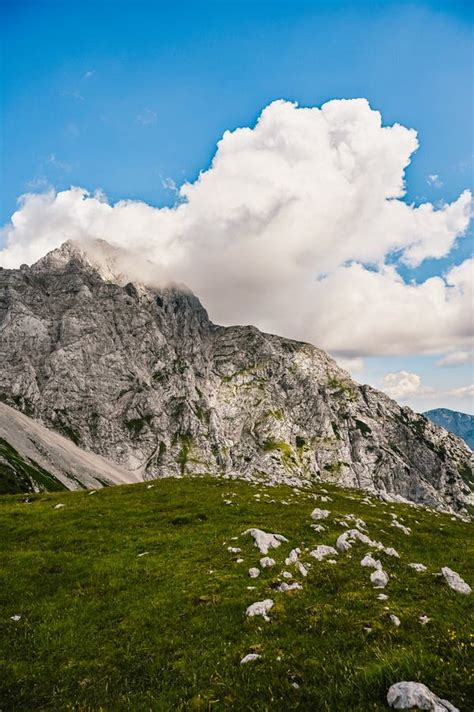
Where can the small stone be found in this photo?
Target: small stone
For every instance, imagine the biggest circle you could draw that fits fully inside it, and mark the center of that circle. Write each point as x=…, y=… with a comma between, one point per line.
x=254, y=572
x=283, y=586
x=250, y=658
x=322, y=551
x=260, y=608
x=395, y=620
x=320, y=513
x=424, y=620
x=417, y=567
x=286, y=574
x=59, y=506
x=379, y=578
x=234, y=549
x=382, y=597
x=15, y=618
x=266, y=562
x=301, y=568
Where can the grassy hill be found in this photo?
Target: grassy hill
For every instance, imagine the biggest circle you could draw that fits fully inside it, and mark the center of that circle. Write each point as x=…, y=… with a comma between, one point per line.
x=103, y=627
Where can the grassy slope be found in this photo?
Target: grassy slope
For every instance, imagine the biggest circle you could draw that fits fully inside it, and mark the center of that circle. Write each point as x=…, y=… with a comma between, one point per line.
x=104, y=629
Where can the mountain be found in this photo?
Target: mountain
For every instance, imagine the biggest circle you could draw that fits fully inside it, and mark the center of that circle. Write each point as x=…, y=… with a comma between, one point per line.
x=461, y=424
x=33, y=458
x=142, y=377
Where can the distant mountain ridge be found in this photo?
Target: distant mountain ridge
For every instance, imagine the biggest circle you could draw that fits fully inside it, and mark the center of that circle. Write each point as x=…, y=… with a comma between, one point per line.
x=141, y=376
x=461, y=424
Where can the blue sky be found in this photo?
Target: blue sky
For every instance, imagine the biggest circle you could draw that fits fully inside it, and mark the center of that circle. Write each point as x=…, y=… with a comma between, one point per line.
x=124, y=96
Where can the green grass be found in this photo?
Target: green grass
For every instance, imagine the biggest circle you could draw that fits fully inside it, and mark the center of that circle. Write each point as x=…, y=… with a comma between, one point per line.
x=104, y=629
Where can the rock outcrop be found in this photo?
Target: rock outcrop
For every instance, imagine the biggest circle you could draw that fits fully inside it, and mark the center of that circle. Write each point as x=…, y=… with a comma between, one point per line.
x=142, y=377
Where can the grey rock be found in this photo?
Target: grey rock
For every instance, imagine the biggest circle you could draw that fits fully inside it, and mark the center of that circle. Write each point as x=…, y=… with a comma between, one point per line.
x=142, y=377
x=408, y=695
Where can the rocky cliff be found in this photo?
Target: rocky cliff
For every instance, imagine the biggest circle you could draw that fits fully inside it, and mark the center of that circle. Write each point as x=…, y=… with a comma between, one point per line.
x=143, y=377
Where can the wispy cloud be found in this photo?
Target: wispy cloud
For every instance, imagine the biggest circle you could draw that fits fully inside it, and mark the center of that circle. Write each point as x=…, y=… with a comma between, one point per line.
x=456, y=358
x=146, y=117
x=74, y=94
x=434, y=180
x=89, y=74
x=61, y=165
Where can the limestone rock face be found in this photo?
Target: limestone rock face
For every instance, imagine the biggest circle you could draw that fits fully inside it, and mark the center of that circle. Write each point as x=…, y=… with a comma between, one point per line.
x=142, y=377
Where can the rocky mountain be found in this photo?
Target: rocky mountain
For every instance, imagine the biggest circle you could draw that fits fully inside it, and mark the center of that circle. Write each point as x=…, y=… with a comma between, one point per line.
x=461, y=424
x=141, y=376
x=35, y=459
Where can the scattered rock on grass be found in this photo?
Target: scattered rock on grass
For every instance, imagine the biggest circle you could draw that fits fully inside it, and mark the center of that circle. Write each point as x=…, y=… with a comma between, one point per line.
x=292, y=557
x=250, y=658
x=402, y=527
x=417, y=567
x=265, y=540
x=59, y=506
x=301, y=568
x=369, y=561
x=320, y=513
x=322, y=551
x=395, y=619
x=379, y=578
x=405, y=695
x=283, y=587
x=260, y=608
x=266, y=562
x=15, y=618
x=454, y=581
x=254, y=572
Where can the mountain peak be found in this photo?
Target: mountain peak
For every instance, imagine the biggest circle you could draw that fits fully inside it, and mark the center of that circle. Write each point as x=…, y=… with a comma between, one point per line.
x=108, y=261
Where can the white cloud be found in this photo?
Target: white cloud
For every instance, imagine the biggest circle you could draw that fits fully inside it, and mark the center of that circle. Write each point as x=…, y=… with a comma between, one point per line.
x=456, y=358
x=146, y=117
x=353, y=365
x=403, y=384
x=289, y=229
x=434, y=180
x=463, y=392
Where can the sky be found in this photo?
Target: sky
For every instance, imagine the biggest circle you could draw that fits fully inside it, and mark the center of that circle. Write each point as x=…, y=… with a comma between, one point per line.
x=211, y=138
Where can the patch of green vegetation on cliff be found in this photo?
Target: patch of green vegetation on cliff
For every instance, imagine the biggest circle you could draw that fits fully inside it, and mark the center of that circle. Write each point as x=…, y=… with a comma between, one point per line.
x=17, y=474
x=344, y=389
x=103, y=628
x=363, y=427
x=136, y=425
x=186, y=441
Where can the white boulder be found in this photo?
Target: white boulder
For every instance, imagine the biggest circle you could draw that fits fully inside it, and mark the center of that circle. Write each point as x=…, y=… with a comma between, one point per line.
x=454, y=581
x=260, y=608
x=265, y=540
x=405, y=695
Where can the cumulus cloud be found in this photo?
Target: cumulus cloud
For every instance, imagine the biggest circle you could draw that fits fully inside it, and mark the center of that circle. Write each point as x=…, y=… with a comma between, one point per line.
x=403, y=384
x=290, y=229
